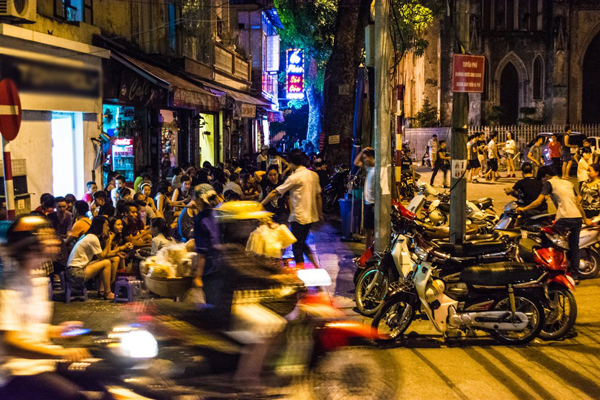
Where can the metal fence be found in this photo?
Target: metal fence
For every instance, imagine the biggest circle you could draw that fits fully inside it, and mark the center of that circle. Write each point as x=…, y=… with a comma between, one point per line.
x=523, y=134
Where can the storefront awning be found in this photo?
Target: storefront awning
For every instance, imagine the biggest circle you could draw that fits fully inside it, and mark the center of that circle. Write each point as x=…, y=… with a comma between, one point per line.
x=185, y=94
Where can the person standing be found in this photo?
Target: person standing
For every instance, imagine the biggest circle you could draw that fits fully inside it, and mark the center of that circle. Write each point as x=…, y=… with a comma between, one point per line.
x=366, y=159
x=268, y=183
x=583, y=165
x=569, y=211
x=481, y=153
x=590, y=192
x=535, y=155
x=555, y=150
x=307, y=207
x=442, y=162
x=566, y=156
x=492, y=148
x=473, y=153
x=433, y=148
x=262, y=158
x=510, y=148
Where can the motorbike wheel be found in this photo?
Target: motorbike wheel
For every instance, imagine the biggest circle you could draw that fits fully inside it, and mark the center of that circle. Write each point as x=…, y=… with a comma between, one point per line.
x=561, y=313
x=355, y=373
x=531, y=307
x=393, y=320
x=369, y=299
x=330, y=204
x=589, y=266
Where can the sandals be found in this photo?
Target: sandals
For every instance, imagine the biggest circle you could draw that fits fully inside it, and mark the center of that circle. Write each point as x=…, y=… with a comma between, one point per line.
x=109, y=296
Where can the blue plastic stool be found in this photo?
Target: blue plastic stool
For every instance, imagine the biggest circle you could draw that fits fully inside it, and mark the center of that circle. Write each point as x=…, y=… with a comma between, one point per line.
x=124, y=289
x=74, y=292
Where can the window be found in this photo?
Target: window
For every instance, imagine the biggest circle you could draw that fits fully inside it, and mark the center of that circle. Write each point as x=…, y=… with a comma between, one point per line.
x=171, y=17
x=74, y=10
x=538, y=79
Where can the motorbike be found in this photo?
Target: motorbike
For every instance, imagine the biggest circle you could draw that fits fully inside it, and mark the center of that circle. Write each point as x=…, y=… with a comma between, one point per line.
x=335, y=188
x=512, y=223
x=373, y=281
x=502, y=299
x=559, y=302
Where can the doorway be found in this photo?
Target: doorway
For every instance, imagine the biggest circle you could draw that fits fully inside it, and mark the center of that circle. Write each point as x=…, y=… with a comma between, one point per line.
x=63, y=151
x=509, y=95
x=590, y=110
x=206, y=138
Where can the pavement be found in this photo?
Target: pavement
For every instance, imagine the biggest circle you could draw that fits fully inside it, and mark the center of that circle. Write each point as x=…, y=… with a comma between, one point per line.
x=429, y=367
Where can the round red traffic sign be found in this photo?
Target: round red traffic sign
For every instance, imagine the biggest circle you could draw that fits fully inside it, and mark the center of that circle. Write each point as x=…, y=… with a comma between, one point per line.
x=10, y=110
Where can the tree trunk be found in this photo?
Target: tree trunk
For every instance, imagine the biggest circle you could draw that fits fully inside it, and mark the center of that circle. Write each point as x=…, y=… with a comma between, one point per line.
x=315, y=104
x=340, y=79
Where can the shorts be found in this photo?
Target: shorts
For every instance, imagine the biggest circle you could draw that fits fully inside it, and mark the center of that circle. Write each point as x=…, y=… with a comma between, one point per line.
x=474, y=164
x=566, y=156
x=493, y=164
x=369, y=216
x=75, y=275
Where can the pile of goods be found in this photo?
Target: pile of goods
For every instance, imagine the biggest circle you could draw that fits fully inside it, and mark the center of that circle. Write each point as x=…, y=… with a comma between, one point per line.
x=170, y=272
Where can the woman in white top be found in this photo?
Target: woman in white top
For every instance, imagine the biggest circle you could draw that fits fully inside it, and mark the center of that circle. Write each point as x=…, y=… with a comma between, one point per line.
x=274, y=159
x=161, y=235
x=82, y=267
x=510, y=147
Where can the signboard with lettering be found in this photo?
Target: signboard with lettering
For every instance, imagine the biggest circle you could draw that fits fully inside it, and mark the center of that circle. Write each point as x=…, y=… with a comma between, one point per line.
x=248, y=110
x=34, y=76
x=294, y=74
x=189, y=99
x=467, y=73
x=136, y=90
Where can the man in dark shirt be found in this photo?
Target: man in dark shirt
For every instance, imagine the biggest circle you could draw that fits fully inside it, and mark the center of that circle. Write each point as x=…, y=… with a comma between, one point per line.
x=61, y=219
x=100, y=206
x=133, y=228
x=406, y=164
x=279, y=206
x=527, y=190
x=441, y=163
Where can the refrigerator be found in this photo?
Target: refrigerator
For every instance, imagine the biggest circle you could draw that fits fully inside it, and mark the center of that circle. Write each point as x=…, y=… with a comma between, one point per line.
x=123, y=158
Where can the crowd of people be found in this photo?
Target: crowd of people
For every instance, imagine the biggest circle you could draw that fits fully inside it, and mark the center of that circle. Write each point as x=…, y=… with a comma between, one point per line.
x=109, y=228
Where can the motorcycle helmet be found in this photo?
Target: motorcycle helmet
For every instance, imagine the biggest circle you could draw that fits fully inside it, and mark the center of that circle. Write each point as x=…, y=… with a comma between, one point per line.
x=26, y=234
x=237, y=219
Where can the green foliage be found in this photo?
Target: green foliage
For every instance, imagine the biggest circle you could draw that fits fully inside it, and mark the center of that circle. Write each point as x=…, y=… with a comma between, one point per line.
x=409, y=18
x=495, y=114
x=529, y=116
x=427, y=117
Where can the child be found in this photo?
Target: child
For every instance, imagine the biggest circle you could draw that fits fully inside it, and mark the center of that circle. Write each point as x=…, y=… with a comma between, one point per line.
x=583, y=165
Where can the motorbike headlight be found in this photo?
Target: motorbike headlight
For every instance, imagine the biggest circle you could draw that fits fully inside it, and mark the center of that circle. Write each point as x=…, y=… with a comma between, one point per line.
x=420, y=253
x=135, y=343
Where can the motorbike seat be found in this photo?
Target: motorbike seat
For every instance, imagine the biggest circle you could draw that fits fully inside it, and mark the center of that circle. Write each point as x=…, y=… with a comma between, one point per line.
x=484, y=203
x=472, y=249
x=486, y=237
x=501, y=273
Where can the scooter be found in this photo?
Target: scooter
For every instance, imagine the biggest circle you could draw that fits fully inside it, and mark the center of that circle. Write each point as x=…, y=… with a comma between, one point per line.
x=335, y=188
x=559, y=301
x=502, y=299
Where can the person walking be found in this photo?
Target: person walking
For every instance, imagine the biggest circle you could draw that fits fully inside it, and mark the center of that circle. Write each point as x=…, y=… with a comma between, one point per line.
x=433, y=148
x=442, y=162
x=555, y=150
x=473, y=153
x=569, y=211
x=535, y=155
x=510, y=148
x=307, y=206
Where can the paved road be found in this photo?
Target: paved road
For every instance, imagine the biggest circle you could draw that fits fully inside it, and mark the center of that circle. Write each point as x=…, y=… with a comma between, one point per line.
x=430, y=368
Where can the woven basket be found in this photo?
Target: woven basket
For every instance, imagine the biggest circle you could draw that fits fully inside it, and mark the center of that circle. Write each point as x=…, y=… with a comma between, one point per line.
x=174, y=287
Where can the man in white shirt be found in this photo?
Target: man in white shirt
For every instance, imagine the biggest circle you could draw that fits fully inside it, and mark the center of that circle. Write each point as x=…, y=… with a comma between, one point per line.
x=120, y=192
x=366, y=159
x=307, y=207
x=569, y=212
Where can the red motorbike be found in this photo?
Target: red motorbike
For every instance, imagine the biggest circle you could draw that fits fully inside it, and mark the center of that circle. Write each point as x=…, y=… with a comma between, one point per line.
x=560, y=305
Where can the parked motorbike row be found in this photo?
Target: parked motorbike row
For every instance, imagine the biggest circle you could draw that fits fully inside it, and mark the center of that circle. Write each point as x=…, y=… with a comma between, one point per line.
x=512, y=284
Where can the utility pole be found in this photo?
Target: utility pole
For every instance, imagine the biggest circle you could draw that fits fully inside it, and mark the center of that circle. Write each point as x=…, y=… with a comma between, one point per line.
x=383, y=114
x=460, y=122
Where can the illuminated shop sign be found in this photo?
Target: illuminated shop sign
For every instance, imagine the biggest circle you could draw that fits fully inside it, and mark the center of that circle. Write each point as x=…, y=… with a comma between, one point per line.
x=294, y=74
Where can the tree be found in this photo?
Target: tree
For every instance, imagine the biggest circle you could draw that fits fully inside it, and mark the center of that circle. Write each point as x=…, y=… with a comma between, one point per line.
x=309, y=25
x=427, y=117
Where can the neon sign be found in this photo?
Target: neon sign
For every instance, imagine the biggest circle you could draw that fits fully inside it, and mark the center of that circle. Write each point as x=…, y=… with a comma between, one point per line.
x=294, y=74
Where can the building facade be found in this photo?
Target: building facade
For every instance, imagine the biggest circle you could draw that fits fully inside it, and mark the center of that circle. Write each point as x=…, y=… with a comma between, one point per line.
x=541, y=62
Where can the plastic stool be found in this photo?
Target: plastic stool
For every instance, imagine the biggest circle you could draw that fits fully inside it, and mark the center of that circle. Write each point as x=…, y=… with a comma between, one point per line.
x=61, y=283
x=74, y=292
x=124, y=289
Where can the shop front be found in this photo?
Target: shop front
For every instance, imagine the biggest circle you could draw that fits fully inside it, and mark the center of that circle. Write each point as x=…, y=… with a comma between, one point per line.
x=59, y=82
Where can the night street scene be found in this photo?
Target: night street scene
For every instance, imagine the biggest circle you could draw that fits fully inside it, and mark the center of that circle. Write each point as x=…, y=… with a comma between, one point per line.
x=299, y=199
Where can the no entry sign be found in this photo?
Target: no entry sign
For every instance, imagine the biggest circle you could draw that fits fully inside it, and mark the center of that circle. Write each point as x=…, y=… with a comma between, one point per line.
x=467, y=73
x=10, y=110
